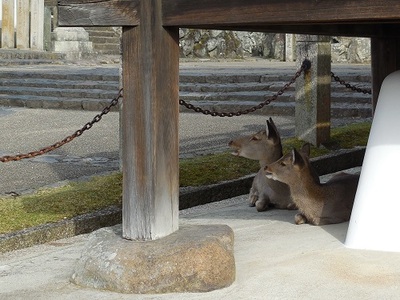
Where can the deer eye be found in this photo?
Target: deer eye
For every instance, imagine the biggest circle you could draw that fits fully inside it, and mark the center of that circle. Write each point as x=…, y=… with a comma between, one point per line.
x=282, y=164
x=254, y=138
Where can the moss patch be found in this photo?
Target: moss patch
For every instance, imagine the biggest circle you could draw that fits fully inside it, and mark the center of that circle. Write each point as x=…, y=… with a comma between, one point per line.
x=52, y=205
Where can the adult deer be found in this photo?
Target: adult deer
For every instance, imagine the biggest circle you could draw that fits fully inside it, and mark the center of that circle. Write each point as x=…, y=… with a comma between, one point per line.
x=266, y=147
x=318, y=203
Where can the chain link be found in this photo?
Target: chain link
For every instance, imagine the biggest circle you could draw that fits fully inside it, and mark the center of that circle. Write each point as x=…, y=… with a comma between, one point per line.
x=69, y=138
x=349, y=86
x=306, y=65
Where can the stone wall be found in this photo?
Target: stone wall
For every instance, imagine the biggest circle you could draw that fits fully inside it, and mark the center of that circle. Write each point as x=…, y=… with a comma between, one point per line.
x=351, y=50
x=240, y=44
x=230, y=44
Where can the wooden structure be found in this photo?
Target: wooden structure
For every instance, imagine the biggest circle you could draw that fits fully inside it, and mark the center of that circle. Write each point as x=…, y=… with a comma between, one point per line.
x=23, y=24
x=150, y=75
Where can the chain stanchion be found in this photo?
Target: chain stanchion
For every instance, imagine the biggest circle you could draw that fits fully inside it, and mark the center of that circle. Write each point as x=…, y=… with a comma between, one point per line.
x=306, y=65
x=69, y=138
x=349, y=86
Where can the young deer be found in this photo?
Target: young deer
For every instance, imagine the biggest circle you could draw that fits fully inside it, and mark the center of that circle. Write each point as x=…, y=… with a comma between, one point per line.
x=318, y=203
x=264, y=146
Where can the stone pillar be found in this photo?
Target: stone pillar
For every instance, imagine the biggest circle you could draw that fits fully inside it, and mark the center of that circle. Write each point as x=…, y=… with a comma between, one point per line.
x=7, y=30
x=290, y=47
x=73, y=41
x=47, y=29
x=37, y=16
x=313, y=89
x=23, y=24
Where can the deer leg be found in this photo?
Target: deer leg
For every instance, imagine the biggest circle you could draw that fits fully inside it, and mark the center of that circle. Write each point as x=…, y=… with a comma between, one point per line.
x=300, y=219
x=263, y=203
x=253, y=197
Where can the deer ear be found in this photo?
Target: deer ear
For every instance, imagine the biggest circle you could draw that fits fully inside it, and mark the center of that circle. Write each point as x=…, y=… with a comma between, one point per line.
x=306, y=149
x=297, y=159
x=272, y=131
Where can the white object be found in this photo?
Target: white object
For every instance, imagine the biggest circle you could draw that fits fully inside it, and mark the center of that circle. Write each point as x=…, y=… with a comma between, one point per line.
x=374, y=222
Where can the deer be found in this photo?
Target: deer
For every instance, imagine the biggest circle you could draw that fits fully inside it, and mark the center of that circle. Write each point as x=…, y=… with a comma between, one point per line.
x=318, y=203
x=266, y=147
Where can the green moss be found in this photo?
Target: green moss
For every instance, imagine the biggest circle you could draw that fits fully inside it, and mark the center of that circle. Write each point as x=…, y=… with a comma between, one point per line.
x=52, y=205
x=214, y=168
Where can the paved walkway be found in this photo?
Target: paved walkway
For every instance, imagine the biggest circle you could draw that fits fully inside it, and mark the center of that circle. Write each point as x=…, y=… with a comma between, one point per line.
x=275, y=259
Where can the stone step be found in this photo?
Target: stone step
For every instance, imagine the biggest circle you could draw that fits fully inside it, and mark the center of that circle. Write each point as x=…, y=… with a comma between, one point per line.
x=15, y=54
x=13, y=62
x=105, y=40
x=59, y=92
x=92, y=88
x=61, y=84
x=338, y=110
x=29, y=57
x=256, y=86
x=257, y=96
x=58, y=73
x=46, y=102
x=107, y=49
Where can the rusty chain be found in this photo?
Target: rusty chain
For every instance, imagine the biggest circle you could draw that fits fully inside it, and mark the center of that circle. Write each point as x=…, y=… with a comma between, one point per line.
x=306, y=65
x=349, y=86
x=69, y=138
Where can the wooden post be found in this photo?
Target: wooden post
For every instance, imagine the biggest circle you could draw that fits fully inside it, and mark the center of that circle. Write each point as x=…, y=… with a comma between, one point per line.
x=7, y=30
x=47, y=28
x=23, y=24
x=150, y=65
x=37, y=16
x=385, y=59
x=313, y=89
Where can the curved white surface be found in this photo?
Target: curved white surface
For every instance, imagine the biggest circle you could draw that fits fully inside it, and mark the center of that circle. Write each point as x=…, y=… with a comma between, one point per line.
x=374, y=222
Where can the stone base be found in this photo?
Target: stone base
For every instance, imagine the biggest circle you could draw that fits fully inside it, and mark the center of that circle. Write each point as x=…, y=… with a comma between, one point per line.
x=73, y=42
x=196, y=258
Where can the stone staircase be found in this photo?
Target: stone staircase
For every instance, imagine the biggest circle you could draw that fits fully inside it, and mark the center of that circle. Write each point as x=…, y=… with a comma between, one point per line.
x=105, y=40
x=28, y=57
x=231, y=94
x=93, y=87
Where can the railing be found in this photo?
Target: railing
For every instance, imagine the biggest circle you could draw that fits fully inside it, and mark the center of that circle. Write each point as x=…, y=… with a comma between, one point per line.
x=27, y=24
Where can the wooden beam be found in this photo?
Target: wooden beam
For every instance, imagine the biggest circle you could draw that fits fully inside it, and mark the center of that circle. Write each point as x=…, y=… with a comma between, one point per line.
x=351, y=30
x=98, y=12
x=385, y=59
x=150, y=144
x=239, y=13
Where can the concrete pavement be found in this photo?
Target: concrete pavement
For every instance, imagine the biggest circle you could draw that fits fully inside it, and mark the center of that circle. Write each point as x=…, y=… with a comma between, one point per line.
x=275, y=259
x=97, y=150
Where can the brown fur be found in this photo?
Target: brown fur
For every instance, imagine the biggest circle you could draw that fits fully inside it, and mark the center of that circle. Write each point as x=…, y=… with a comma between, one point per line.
x=319, y=204
x=264, y=146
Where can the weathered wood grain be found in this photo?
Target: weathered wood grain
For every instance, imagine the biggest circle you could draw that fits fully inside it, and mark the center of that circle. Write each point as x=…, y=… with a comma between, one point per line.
x=279, y=12
x=150, y=127
x=385, y=59
x=98, y=12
